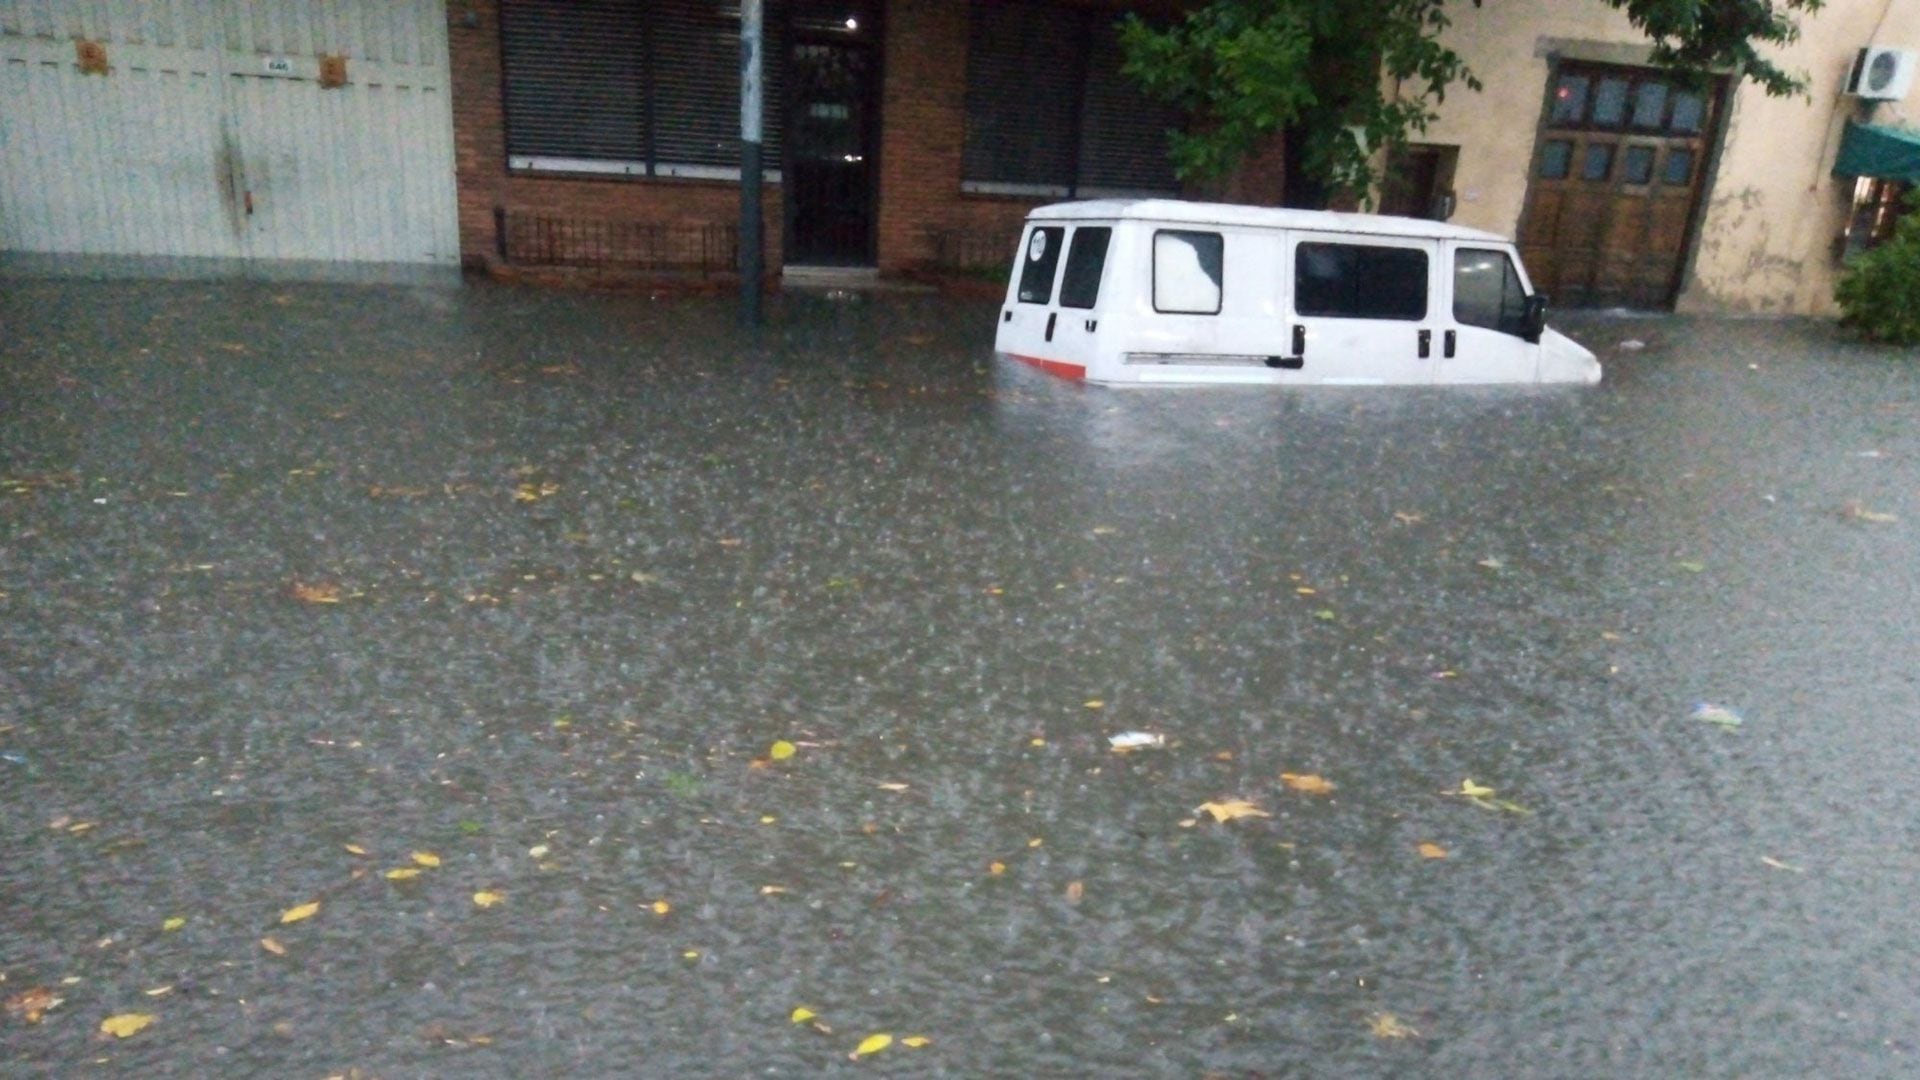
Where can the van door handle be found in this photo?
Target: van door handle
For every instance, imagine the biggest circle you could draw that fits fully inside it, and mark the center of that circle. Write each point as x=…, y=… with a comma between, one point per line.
x=1299, y=339
x=1052, y=317
x=1426, y=344
x=1447, y=345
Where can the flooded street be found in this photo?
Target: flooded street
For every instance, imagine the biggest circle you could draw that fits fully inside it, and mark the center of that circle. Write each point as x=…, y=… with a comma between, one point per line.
x=298, y=581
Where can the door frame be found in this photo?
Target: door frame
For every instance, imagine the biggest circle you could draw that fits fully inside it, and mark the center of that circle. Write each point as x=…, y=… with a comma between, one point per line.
x=875, y=46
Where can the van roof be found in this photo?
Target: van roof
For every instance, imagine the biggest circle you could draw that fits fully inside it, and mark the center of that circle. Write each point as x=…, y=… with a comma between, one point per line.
x=1205, y=213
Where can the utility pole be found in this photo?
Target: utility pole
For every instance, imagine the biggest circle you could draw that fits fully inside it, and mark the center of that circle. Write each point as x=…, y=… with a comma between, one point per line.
x=751, y=254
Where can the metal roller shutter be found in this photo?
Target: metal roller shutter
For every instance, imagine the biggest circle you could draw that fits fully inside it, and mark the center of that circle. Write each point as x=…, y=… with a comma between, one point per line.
x=1123, y=132
x=696, y=79
x=1049, y=111
x=574, y=73
x=632, y=86
x=1024, y=72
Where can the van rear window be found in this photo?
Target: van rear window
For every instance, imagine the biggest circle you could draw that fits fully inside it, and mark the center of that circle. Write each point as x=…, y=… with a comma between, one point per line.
x=1086, y=258
x=1037, y=262
x=1360, y=281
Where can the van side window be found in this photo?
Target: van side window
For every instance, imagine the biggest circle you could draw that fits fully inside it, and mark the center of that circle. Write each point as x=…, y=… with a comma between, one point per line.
x=1086, y=258
x=1186, y=272
x=1036, y=268
x=1359, y=281
x=1487, y=292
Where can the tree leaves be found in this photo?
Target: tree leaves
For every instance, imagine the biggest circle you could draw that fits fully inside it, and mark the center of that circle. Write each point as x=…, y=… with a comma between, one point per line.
x=1230, y=810
x=872, y=1044
x=487, y=898
x=1430, y=850
x=782, y=750
x=125, y=1025
x=1307, y=783
x=1385, y=1025
x=1483, y=797
x=426, y=858
x=320, y=593
x=31, y=1004
x=299, y=912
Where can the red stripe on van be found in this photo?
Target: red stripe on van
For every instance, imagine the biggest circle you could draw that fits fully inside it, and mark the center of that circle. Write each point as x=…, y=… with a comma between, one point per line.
x=1053, y=367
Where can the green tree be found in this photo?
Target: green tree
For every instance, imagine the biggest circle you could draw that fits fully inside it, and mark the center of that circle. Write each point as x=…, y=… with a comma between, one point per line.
x=1311, y=73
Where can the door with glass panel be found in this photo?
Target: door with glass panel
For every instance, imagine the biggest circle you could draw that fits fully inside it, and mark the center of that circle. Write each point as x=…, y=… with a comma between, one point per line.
x=1616, y=180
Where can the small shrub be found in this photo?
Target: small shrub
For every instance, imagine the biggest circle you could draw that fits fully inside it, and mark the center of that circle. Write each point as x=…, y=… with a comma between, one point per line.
x=1880, y=294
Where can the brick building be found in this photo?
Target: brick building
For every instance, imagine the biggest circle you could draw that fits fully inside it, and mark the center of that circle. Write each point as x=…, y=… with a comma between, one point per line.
x=901, y=134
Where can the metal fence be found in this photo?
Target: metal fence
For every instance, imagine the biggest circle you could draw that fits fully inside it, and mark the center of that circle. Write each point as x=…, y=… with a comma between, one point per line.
x=970, y=250
x=550, y=240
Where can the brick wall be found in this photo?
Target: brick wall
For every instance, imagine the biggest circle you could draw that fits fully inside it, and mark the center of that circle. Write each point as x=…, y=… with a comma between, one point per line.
x=480, y=161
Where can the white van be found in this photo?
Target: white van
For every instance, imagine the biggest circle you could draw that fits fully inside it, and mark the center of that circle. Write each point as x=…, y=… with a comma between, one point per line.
x=1163, y=291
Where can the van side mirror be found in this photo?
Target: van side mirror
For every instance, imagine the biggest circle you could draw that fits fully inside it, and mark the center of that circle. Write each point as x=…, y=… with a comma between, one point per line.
x=1534, y=322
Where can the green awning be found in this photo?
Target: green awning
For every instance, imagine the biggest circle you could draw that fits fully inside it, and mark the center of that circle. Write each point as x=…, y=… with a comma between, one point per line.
x=1883, y=153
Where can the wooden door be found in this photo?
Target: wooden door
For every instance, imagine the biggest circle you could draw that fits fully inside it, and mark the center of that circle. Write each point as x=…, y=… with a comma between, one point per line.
x=1616, y=180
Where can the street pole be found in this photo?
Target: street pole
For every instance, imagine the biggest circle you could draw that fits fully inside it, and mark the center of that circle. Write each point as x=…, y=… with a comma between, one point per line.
x=751, y=255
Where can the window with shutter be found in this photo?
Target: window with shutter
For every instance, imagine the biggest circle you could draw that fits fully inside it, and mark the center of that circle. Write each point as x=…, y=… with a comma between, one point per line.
x=1123, y=132
x=574, y=92
x=633, y=87
x=1049, y=112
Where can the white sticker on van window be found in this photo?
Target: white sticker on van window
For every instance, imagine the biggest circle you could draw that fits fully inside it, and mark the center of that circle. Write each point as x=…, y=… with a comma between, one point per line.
x=1037, y=247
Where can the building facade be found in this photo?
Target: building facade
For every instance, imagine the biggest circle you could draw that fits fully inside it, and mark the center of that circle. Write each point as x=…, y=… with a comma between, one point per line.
x=902, y=136
x=916, y=133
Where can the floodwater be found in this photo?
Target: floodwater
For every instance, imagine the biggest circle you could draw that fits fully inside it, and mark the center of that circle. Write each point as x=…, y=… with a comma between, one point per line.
x=591, y=557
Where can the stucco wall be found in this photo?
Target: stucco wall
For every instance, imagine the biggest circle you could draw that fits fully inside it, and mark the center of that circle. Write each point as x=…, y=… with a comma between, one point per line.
x=1773, y=213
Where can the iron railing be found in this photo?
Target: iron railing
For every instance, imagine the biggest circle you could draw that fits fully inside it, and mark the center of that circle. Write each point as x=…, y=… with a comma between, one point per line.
x=970, y=250
x=550, y=240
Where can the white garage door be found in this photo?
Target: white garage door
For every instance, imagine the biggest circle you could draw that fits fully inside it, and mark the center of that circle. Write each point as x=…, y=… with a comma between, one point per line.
x=210, y=134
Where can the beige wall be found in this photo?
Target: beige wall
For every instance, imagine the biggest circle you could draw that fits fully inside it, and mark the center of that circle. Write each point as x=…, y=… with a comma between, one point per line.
x=1773, y=214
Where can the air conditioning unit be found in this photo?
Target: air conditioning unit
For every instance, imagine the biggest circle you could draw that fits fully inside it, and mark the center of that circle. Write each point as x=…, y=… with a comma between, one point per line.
x=1881, y=74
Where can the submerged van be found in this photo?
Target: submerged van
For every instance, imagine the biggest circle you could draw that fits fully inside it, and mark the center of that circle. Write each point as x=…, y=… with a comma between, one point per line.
x=1165, y=291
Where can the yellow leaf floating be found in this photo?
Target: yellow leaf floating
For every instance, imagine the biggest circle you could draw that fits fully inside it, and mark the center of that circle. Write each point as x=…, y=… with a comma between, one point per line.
x=354, y=849
x=872, y=1044
x=304, y=911
x=273, y=946
x=1431, y=850
x=173, y=924
x=996, y=868
x=915, y=1041
x=487, y=898
x=782, y=750
x=426, y=858
x=316, y=594
x=661, y=907
x=125, y=1024
x=1389, y=1026
x=1230, y=810
x=1307, y=783
x=1474, y=791
x=405, y=873
x=802, y=1014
